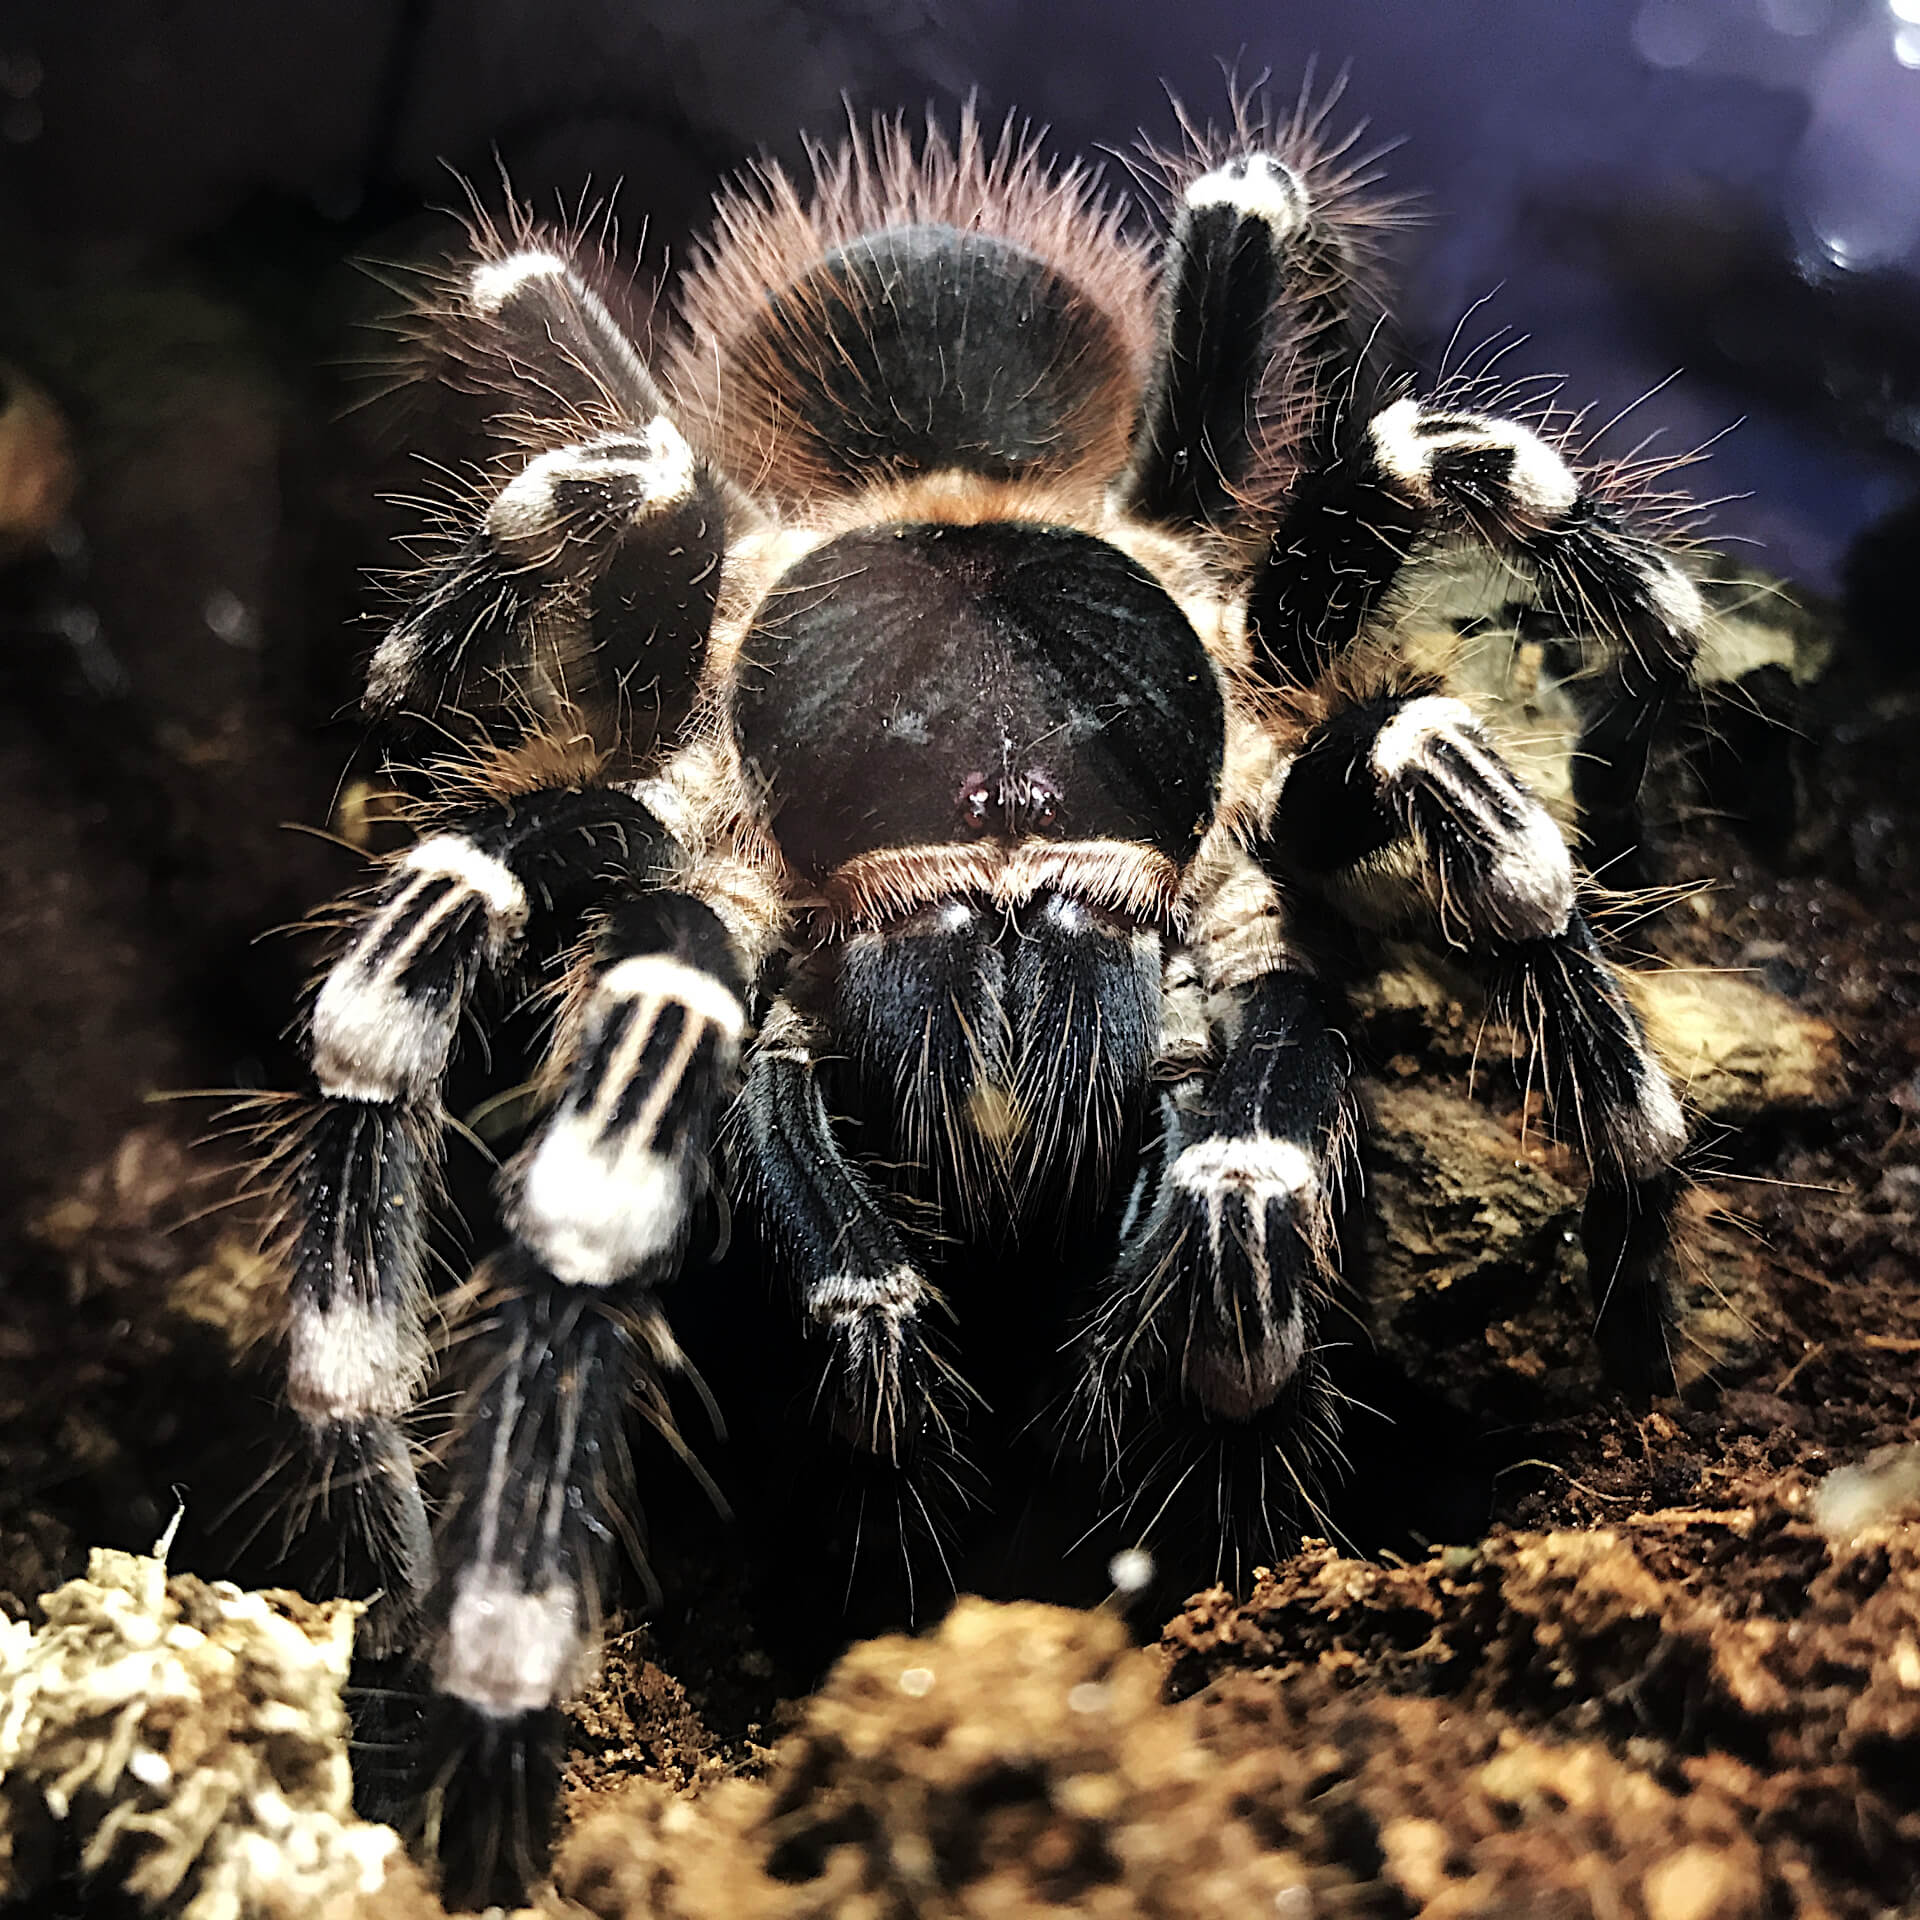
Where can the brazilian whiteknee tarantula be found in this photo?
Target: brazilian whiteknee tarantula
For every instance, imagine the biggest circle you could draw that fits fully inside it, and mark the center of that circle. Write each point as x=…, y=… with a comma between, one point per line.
x=956, y=730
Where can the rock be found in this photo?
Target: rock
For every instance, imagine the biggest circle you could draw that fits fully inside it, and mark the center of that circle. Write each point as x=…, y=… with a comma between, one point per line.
x=1737, y=1049
x=1471, y=1240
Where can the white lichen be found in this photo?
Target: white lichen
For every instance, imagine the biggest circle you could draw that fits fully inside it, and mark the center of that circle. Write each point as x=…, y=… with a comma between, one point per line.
x=1883, y=1488
x=194, y=1736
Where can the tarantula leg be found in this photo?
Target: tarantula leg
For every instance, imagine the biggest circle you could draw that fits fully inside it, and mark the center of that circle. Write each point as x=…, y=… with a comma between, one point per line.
x=1419, y=469
x=1201, y=1354
x=1412, y=774
x=360, y=1170
x=539, y=1482
x=853, y=1277
x=531, y=309
x=1246, y=248
x=532, y=321
x=609, y=1186
x=594, y=569
x=1609, y=1093
x=1228, y=1246
x=1397, y=808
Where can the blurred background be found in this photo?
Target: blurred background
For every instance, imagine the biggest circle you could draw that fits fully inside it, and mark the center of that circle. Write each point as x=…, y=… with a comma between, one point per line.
x=1717, y=199
x=1728, y=187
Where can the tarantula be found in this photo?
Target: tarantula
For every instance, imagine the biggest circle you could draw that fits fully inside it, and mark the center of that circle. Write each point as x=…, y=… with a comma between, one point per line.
x=937, y=715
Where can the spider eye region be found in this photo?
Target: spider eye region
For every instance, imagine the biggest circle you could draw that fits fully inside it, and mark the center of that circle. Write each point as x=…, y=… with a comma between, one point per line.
x=921, y=684
x=1011, y=806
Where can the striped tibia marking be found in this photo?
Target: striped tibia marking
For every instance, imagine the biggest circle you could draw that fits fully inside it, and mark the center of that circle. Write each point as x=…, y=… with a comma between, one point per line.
x=1497, y=862
x=608, y=1187
x=562, y=507
x=1593, y=563
x=384, y=1022
x=1250, y=1190
x=1415, y=445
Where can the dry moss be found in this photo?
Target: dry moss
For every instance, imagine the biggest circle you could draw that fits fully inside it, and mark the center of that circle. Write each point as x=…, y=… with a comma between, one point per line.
x=194, y=1736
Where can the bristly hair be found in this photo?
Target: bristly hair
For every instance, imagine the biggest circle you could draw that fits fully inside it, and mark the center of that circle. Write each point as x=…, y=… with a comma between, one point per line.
x=443, y=337
x=1342, y=264
x=769, y=235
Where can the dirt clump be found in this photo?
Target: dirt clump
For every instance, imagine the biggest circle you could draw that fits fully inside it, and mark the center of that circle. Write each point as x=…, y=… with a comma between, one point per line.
x=1017, y=1760
x=1698, y=1711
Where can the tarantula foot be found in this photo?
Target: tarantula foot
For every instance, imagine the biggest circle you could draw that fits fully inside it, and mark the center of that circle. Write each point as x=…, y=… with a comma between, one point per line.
x=487, y=1814
x=1629, y=1238
x=364, y=1484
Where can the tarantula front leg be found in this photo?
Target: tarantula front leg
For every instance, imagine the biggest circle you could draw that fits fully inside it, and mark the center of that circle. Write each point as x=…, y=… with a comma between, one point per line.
x=1228, y=1243
x=359, y=1169
x=1399, y=807
x=1351, y=526
x=885, y=1381
x=591, y=574
x=565, y=1330
x=1204, y=1340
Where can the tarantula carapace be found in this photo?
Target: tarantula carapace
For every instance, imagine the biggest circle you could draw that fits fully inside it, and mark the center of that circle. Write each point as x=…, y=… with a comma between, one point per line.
x=942, y=728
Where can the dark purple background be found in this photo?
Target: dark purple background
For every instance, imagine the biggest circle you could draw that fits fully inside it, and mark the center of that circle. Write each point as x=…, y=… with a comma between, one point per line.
x=1729, y=187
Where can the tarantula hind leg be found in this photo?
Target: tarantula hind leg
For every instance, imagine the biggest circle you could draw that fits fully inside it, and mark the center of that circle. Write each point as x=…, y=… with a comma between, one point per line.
x=1205, y=1335
x=359, y=1168
x=591, y=575
x=1422, y=470
x=563, y=1329
x=1399, y=810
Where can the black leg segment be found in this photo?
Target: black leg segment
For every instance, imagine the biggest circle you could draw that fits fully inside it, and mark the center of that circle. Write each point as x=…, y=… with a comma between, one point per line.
x=589, y=584
x=564, y=1335
x=1401, y=814
x=1255, y=289
x=359, y=1168
x=1229, y=1245
x=885, y=1383
x=1609, y=1095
